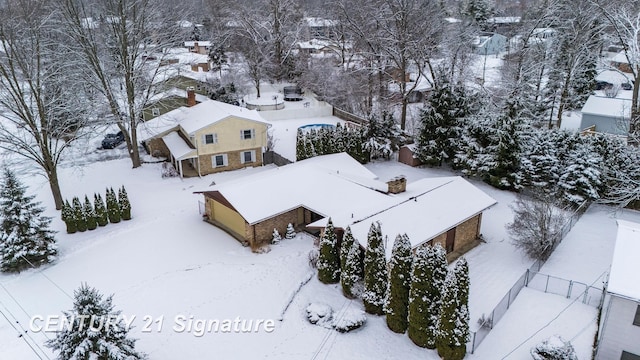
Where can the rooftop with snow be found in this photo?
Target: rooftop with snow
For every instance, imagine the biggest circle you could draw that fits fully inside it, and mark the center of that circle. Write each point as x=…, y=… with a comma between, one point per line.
x=623, y=278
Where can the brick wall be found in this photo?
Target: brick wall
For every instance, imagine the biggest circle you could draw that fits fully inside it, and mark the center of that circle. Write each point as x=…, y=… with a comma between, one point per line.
x=233, y=159
x=466, y=233
x=264, y=230
x=156, y=147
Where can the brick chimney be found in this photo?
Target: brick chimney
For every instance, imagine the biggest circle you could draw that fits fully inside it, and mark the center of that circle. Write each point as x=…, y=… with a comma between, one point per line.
x=196, y=48
x=397, y=185
x=191, y=96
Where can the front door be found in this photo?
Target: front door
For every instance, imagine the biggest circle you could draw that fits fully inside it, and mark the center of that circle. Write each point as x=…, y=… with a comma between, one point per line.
x=451, y=239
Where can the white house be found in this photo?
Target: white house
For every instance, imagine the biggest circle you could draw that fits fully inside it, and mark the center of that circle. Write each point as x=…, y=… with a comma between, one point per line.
x=489, y=44
x=619, y=333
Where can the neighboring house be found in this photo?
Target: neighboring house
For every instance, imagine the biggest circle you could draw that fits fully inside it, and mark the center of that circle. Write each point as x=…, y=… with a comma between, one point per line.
x=185, y=80
x=489, y=44
x=198, y=47
x=619, y=328
x=170, y=100
x=210, y=137
x=608, y=115
x=620, y=62
x=307, y=193
x=320, y=27
x=322, y=47
x=504, y=25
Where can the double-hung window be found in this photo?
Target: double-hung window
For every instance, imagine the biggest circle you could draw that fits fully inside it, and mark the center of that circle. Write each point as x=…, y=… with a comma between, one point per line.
x=210, y=138
x=247, y=156
x=220, y=160
x=247, y=134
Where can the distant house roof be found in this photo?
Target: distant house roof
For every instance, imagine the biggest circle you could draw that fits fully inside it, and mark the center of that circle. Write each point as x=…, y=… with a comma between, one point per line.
x=609, y=107
x=210, y=112
x=625, y=267
x=620, y=58
x=613, y=77
x=200, y=43
x=175, y=92
x=320, y=22
x=339, y=187
x=504, y=20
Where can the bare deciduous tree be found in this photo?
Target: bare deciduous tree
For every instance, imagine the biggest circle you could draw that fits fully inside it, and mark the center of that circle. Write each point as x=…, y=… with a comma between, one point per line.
x=537, y=224
x=40, y=101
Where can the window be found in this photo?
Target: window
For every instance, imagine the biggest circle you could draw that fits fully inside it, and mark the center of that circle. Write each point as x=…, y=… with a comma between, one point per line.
x=636, y=319
x=247, y=134
x=219, y=160
x=247, y=156
x=629, y=356
x=210, y=138
x=155, y=111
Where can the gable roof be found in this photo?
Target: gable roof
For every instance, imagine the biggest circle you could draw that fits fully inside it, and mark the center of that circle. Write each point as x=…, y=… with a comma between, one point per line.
x=625, y=266
x=200, y=43
x=212, y=111
x=609, y=107
x=621, y=58
x=339, y=187
x=175, y=92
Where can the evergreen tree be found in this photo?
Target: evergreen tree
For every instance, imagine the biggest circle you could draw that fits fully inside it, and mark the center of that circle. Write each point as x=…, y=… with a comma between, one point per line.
x=218, y=58
x=504, y=170
x=79, y=214
x=329, y=259
x=291, y=232
x=375, y=272
x=92, y=221
x=397, y=306
x=580, y=179
x=275, y=236
x=125, y=205
x=85, y=338
x=195, y=33
x=301, y=150
x=113, y=208
x=428, y=273
x=349, y=275
x=453, y=325
x=69, y=218
x=100, y=210
x=345, y=246
x=25, y=238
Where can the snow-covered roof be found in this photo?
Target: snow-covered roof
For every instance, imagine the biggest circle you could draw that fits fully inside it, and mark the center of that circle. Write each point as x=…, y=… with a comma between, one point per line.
x=177, y=93
x=451, y=20
x=613, y=77
x=504, y=20
x=210, y=112
x=178, y=146
x=625, y=266
x=605, y=106
x=316, y=44
x=621, y=58
x=428, y=208
x=160, y=124
x=200, y=43
x=339, y=187
x=320, y=22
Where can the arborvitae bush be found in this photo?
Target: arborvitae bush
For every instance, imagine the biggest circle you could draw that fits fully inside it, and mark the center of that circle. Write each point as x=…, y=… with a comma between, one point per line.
x=80, y=216
x=329, y=260
x=100, y=210
x=125, y=205
x=375, y=273
x=113, y=208
x=453, y=327
x=90, y=213
x=69, y=217
x=349, y=277
x=397, y=306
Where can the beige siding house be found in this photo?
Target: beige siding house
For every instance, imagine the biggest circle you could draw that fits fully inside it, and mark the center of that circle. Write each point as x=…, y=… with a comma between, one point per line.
x=307, y=193
x=210, y=137
x=619, y=333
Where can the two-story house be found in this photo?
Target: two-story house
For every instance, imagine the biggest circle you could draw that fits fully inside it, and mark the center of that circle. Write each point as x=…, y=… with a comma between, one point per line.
x=619, y=333
x=210, y=137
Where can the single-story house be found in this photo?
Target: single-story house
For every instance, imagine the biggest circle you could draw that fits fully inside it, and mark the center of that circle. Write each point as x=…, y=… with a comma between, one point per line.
x=504, y=25
x=619, y=328
x=489, y=44
x=608, y=115
x=171, y=99
x=407, y=155
x=620, y=62
x=307, y=193
x=210, y=137
x=198, y=47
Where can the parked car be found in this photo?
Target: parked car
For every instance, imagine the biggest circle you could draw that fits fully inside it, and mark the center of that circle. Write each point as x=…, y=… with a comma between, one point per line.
x=110, y=141
x=601, y=85
x=626, y=86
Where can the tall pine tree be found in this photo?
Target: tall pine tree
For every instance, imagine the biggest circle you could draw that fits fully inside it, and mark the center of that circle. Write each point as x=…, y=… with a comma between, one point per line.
x=427, y=280
x=329, y=259
x=375, y=272
x=453, y=325
x=85, y=338
x=397, y=306
x=25, y=238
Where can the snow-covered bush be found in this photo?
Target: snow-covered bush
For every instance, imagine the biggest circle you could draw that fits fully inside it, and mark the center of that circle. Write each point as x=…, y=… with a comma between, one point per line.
x=313, y=256
x=291, y=232
x=320, y=314
x=275, y=236
x=349, y=320
x=168, y=170
x=554, y=348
